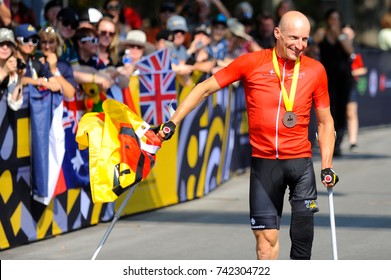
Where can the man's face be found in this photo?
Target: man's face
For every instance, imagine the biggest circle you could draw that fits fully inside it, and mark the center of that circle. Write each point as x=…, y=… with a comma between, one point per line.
x=291, y=42
x=88, y=44
x=66, y=28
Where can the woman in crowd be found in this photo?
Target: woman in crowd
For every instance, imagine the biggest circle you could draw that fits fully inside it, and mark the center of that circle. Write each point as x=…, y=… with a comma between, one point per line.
x=10, y=75
x=50, y=43
x=108, y=41
x=37, y=74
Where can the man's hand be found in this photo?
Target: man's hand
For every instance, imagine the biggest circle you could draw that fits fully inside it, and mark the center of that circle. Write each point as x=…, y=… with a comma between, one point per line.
x=165, y=131
x=329, y=177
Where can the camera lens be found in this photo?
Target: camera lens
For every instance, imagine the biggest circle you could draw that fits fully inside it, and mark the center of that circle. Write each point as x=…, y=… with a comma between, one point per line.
x=20, y=64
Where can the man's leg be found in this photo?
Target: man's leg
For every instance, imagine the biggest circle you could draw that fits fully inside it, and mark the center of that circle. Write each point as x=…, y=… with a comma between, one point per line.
x=303, y=203
x=302, y=235
x=267, y=244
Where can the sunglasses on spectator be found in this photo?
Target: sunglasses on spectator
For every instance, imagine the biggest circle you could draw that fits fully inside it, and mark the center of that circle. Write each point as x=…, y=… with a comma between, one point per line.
x=73, y=24
x=24, y=41
x=113, y=7
x=106, y=33
x=135, y=47
x=8, y=44
x=93, y=40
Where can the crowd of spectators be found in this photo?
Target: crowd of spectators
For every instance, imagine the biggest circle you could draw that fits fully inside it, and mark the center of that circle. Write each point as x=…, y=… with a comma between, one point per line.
x=83, y=50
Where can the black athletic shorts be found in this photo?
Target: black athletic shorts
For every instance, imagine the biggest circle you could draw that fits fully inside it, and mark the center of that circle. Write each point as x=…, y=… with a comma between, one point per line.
x=268, y=181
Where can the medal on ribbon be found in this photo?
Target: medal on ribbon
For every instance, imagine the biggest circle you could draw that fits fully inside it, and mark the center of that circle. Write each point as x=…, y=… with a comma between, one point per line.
x=290, y=118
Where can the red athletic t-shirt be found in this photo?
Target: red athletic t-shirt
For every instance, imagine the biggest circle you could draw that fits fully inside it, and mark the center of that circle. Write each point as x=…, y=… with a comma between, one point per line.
x=269, y=137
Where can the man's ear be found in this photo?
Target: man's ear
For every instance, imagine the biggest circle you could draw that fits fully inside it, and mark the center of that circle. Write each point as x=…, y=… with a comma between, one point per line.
x=277, y=32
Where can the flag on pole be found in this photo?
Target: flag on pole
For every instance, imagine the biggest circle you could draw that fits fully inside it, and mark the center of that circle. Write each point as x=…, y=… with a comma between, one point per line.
x=122, y=149
x=157, y=87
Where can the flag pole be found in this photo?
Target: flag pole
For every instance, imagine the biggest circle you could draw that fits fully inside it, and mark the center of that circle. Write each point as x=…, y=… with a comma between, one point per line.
x=117, y=215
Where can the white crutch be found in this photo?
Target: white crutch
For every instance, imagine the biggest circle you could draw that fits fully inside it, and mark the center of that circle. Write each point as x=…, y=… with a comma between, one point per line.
x=332, y=223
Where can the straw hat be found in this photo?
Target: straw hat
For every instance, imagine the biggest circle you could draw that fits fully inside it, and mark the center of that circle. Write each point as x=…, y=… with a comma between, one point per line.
x=138, y=38
x=237, y=29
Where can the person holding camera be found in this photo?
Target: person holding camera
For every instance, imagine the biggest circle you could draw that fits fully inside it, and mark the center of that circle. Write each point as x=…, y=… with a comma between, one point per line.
x=37, y=74
x=10, y=74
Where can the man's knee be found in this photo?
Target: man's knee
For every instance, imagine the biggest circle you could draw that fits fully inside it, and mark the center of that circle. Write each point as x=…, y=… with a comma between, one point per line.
x=267, y=247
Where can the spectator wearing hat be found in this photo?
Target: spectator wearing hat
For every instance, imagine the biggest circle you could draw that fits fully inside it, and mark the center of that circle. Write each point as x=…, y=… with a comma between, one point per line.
x=201, y=39
x=166, y=10
x=179, y=53
x=50, y=12
x=137, y=45
x=5, y=15
x=10, y=75
x=163, y=39
x=218, y=48
x=241, y=41
x=37, y=73
x=89, y=17
x=67, y=23
x=199, y=56
x=178, y=26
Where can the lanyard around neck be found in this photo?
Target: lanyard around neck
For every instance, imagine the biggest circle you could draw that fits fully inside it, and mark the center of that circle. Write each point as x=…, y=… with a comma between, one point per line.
x=288, y=100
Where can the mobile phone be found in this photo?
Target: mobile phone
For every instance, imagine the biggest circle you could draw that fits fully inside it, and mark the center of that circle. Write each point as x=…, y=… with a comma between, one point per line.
x=38, y=54
x=20, y=65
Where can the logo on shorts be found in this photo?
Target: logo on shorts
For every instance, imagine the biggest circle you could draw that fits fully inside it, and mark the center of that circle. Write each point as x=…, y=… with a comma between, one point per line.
x=310, y=204
x=252, y=221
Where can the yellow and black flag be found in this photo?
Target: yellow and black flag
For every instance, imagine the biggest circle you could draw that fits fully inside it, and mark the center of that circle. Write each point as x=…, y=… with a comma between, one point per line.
x=122, y=149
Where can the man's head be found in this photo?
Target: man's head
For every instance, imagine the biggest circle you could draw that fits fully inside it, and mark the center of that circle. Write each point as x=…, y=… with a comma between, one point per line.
x=292, y=35
x=67, y=22
x=86, y=40
x=27, y=38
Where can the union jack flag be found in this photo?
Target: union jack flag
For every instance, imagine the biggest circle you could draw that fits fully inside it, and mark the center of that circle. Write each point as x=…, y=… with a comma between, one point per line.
x=157, y=87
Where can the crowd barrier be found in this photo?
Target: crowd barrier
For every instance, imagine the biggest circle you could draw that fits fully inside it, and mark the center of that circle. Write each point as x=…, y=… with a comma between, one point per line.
x=209, y=145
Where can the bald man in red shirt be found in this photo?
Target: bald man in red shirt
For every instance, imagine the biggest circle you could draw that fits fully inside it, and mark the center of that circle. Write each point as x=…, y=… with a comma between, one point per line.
x=281, y=85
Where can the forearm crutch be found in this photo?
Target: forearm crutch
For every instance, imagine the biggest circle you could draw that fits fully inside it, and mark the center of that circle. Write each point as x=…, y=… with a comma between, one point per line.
x=332, y=223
